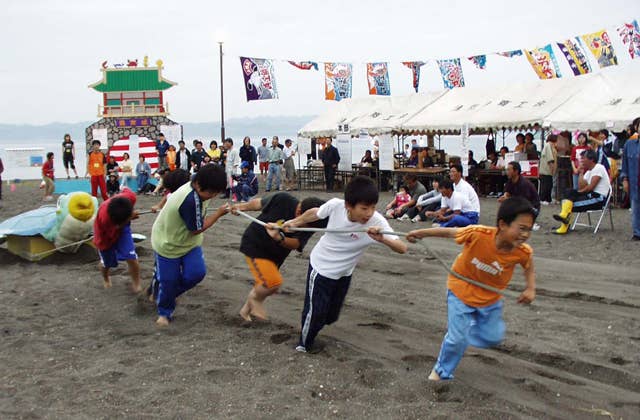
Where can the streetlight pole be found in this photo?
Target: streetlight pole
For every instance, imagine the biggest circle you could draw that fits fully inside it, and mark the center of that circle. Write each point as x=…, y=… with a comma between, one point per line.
x=222, y=136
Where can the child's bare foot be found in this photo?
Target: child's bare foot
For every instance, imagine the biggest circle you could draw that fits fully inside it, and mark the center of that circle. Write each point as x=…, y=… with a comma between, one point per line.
x=433, y=376
x=162, y=321
x=107, y=284
x=135, y=288
x=257, y=309
x=245, y=312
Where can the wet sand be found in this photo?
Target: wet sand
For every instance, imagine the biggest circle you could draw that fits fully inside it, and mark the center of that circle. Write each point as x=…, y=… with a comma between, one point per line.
x=71, y=349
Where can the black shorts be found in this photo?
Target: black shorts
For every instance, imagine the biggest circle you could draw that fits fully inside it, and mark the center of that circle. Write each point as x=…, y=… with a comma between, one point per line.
x=67, y=160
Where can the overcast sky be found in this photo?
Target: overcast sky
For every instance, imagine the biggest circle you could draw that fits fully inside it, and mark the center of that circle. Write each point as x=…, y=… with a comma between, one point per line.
x=52, y=49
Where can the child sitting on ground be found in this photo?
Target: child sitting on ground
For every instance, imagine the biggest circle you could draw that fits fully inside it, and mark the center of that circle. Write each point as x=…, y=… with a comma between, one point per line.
x=112, y=236
x=399, y=202
x=176, y=238
x=336, y=255
x=489, y=255
x=113, y=185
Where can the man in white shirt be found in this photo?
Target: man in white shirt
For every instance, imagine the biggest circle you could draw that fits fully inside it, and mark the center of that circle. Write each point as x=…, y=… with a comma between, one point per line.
x=289, y=166
x=232, y=164
x=336, y=255
x=593, y=189
x=455, y=209
x=460, y=185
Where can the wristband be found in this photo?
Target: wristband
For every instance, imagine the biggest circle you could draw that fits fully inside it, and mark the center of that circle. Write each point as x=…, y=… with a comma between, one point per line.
x=282, y=237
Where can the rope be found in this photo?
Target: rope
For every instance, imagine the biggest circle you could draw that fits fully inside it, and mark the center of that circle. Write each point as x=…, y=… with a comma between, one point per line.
x=446, y=266
x=51, y=251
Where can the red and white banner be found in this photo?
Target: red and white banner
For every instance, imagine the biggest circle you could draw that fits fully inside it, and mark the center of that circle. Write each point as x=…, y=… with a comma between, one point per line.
x=146, y=148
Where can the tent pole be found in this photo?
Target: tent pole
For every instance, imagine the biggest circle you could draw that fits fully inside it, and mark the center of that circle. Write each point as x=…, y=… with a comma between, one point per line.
x=503, y=130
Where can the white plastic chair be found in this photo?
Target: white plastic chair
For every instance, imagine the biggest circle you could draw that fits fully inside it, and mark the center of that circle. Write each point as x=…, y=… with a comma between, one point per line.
x=605, y=209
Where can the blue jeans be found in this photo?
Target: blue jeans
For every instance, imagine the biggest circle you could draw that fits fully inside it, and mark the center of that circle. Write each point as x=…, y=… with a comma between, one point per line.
x=462, y=220
x=274, y=170
x=480, y=327
x=242, y=192
x=635, y=215
x=142, y=180
x=575, y=181
x=174, y=276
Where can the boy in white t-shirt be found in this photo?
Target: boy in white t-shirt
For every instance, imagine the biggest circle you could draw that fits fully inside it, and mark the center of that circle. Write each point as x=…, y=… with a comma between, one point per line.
x=455, y=209
x=336, y=255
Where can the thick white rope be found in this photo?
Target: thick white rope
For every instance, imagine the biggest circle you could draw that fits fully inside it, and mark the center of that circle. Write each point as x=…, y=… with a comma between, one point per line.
x=504, y=292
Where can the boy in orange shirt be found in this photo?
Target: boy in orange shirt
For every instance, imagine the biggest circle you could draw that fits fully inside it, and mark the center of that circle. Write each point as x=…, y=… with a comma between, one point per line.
x=489, y=255
x=96, y=169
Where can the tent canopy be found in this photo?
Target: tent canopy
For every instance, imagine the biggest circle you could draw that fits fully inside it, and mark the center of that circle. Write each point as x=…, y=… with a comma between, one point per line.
x=607, y=99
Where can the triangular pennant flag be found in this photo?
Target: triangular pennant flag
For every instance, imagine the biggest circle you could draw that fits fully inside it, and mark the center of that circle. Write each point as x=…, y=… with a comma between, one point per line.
x=304, y=65
x=378, y=79
x=544, y=63
x=259, y=78
x=451, y=71
x=600, y=46
x=630, y=35
x=337, y=81
x=415, y=70
x=575, y=57
x=479, y=60
x=510, y=54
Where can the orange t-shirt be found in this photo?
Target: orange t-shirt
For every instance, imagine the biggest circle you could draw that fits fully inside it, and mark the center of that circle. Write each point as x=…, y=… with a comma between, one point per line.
x=481, y=260
x=96, y=163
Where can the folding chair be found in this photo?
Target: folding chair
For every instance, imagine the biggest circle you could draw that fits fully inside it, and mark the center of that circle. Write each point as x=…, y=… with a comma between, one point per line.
x=605, y=209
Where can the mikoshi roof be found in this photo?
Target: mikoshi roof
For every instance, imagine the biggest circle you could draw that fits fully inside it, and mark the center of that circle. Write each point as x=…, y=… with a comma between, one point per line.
x=132, y=79
x=611, y=101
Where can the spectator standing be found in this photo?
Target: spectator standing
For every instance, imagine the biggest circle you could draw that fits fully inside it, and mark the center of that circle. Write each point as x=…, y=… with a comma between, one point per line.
x=69, y=155
x=546, y=169
x=248, y=153
x=47, y=178
x=576, y=151
x=630, y=175
x=289, y=165
x=276, y=158
x=330, y=160
x=96, y=170
x=1, y=171
x=162, y=146
x=197, y=156
x=520, y=143
x=183, y=157
x=530, y=147
x=214, y=152
x=232, y=163
x=263, y=157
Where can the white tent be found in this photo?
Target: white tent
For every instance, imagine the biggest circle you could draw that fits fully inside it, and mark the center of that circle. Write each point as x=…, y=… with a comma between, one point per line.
x=610, y=100
x=375, y=114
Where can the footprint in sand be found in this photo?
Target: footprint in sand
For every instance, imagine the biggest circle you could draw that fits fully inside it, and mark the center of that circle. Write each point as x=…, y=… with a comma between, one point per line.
x=280, y=338
x=376, y=325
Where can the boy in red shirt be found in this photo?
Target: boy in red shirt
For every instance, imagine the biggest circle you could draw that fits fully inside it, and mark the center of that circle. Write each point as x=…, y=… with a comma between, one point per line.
x=112, y=236
x=488, y=256
x=47, y=178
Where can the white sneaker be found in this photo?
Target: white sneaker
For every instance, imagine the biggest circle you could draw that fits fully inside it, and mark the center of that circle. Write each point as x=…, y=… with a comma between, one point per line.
x=415, y=219
x=404, y=217
x=544, y=203
x=536, y=227
x=435, y=225
x=301, y=349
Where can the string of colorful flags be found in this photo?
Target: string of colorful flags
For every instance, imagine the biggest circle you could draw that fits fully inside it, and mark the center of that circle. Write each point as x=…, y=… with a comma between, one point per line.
x=260, y=80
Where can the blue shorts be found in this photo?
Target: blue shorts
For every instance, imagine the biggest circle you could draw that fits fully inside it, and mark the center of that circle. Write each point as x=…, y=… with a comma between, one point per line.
x=122, y=250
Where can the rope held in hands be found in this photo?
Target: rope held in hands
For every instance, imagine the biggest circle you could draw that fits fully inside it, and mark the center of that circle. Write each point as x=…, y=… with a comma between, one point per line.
x=504, y=292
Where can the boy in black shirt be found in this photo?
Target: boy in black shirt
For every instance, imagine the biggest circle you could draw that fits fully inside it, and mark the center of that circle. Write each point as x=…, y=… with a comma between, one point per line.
x=266, y=249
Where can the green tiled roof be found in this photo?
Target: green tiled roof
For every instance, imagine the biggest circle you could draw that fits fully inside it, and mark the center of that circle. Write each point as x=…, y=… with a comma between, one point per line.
x=131, y=80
